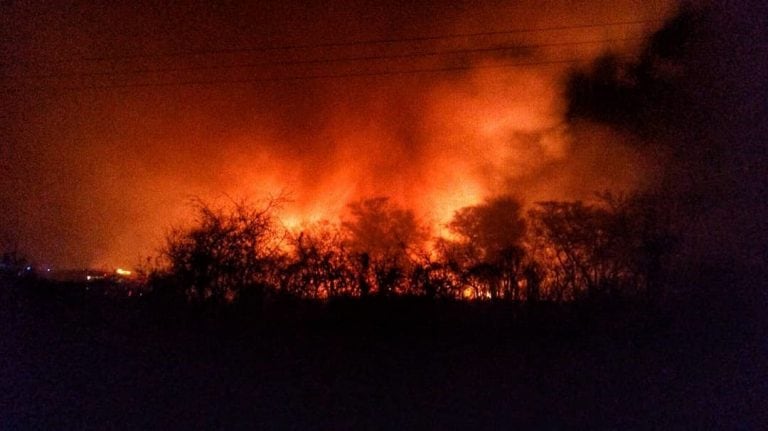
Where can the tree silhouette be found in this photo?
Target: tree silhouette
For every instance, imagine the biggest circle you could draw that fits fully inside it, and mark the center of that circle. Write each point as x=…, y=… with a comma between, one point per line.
x=615, y=245
x=487, y=249
x=385, y=237
x=230, y=251
x=320, y=265
x=611, y=247
x=644, y=226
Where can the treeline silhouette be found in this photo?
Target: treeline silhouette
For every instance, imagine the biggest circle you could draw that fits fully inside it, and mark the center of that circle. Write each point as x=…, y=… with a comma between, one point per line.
x=616, y=246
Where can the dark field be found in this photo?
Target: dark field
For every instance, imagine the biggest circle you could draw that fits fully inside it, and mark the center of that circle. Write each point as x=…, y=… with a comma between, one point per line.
x=74, y=361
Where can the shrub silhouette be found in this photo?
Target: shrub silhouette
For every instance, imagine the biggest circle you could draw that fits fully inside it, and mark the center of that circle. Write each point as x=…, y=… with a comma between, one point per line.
x=487, y=249
x=320, y=265
x=229, y=251
x=613, y=246
x=386, y=239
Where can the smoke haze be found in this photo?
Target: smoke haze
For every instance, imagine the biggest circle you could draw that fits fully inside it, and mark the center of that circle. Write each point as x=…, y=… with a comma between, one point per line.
x=94, y=176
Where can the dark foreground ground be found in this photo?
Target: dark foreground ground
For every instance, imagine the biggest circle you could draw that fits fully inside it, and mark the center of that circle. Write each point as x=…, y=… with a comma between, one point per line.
x=74, y=362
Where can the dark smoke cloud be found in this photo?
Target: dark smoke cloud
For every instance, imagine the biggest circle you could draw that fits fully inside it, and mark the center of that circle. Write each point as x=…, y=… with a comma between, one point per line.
x=695, y=100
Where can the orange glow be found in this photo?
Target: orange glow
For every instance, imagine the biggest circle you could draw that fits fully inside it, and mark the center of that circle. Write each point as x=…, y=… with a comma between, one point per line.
x=468, y=293
x=488, y=133
x=432, y=142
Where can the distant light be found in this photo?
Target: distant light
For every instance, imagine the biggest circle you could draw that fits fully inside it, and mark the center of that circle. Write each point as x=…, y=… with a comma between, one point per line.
x=29, y=268
x=121, y=271
x=88, y=277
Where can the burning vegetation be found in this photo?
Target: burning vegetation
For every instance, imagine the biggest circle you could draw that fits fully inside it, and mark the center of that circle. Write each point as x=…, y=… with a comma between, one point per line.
x=613, y=246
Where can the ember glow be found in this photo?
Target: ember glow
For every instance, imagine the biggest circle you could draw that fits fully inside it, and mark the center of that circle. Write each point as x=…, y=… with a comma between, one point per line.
x=97, y=175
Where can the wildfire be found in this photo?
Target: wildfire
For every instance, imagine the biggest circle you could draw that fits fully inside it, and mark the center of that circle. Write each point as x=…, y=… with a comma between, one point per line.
x=485, y=123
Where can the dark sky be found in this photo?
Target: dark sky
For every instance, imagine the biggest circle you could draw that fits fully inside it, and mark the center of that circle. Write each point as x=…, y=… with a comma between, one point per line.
x=113, y=115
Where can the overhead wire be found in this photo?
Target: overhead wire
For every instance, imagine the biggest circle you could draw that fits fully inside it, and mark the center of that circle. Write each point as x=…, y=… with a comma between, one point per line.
x=387, y=71
x=311, y=77
x=351, y=43
x=372, y=41
x=417, y=54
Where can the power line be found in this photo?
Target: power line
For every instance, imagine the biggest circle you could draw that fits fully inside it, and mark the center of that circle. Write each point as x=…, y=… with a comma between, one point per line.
x=354, y=42
x=306, y=77
x=326, y=60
